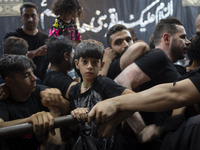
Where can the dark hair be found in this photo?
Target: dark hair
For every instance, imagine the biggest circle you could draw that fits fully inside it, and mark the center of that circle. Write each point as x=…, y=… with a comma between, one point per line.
x=89, y=49
x=113, y=30
x=133, y=34
x=194, y=48
x=56, y=47
x=29, y=5
x=13, y=64
x=15, y=45
x=59, y=7
x=167, y=25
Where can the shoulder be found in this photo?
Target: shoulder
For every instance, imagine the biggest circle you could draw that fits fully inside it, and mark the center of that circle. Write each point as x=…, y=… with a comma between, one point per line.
x=18, y=32
x=152, y=57
x=53, y=75
x=40, y=87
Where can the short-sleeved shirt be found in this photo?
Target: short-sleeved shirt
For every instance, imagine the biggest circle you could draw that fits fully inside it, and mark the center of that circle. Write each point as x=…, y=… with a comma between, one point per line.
x=34, y=42
x=12, y=110
x=58, y=80
x=103, y=88
x=195, y=78
x=114, y=69
x=160, y=69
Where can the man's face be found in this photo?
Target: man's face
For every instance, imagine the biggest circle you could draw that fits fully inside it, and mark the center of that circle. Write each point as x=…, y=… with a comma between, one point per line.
x=120, y=41
x=179, y=44
x=24, y=83
x=30, y=18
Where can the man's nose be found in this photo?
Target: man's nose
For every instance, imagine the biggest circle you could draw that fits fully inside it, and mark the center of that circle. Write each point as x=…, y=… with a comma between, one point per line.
x=125, y=43
x=188, y=42
x=30, y=19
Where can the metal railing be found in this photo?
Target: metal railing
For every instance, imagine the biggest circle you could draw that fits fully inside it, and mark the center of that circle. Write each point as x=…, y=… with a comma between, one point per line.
x=25, y=128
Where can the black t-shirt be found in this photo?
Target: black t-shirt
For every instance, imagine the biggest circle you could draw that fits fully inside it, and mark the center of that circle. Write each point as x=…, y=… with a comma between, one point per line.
x=57, y=80
x=195, y=78
x=103, y=88
x=34, y=42
x=160, y=69
x=12, y=110
x=114, y=69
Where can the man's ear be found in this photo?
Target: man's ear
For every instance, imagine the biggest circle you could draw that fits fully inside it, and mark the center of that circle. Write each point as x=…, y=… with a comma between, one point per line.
x=8, y=81
x=166, y=38
x=76, y=63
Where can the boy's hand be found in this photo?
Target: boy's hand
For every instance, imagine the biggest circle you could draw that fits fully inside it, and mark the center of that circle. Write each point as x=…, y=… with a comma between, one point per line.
x=80, y=114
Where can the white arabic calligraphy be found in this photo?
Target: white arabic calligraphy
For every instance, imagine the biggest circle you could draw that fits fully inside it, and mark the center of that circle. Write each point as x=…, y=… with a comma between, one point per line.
x=160, y=12
x=97, y=23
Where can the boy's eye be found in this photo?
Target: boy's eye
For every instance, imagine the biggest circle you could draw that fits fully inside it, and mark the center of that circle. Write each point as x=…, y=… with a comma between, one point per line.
x=84, y=61
x=95, y=62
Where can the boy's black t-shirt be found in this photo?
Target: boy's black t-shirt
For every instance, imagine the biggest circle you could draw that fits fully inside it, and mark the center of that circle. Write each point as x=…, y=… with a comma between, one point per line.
x=102, y=88
x=12, y=110
x=58, y=80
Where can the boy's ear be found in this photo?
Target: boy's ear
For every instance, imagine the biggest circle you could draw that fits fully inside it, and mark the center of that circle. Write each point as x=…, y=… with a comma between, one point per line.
x=76, y=63
x=102, y=64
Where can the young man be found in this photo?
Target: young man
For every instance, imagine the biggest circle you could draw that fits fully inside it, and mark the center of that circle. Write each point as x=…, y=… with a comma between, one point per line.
x=26, y=103
x=60, y=55
x=121, y=51
x=35, y=38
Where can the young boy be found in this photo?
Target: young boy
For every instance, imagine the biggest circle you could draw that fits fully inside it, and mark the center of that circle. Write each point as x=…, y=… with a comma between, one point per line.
x=92, y=89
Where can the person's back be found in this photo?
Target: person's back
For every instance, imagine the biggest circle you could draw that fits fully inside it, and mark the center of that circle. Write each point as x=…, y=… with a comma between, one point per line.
x=60, y=55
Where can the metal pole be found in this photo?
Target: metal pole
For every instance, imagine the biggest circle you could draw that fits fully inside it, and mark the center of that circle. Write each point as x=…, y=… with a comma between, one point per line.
x=21, y=129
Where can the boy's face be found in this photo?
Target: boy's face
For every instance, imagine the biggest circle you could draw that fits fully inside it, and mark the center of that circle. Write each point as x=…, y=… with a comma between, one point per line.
x=89, y=67
x=24, y=83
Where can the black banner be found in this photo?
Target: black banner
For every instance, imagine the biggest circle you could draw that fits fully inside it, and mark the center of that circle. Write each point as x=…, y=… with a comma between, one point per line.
x=99, y=15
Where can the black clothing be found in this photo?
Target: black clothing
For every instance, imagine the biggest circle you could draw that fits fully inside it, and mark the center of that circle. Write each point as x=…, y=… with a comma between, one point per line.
x=179, y=133
x=186, y=137
x=160, y=69
x=102, y=88
x=57, y=80
x=114, y=69
x=34, y=42
x=12, y=110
